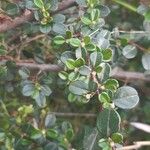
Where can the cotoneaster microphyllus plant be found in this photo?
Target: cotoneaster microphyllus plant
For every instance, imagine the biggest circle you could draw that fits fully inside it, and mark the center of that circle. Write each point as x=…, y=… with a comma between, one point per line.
x=63, y=50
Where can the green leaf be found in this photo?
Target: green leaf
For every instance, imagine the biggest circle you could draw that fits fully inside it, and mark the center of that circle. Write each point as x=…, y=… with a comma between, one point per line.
x=146, y=61
x=147, y=15
x=12, y=9
x=107, y=54
x=70, y=63
x=92, y=85
x=81, y=3
x=105, y=73
x=126, y=97
x=24, y=73
x=90, y=47
x=35, y=134
x=2, y=50
x=59, y=28
x=85, y=70
x=129, y=51
x=81, y=53
x=39, y=3
x=51, y=133
x=108, y=122
x=50, y=120
x=86, y=20
x=45, y=28
x=117, y=137
x=51, y=146
x=54, y=5
x=75, y=42
x=68, y=34
x=96, y=59
x=104, y=10
x=79, y=62
x=73, y=76
x=69, y=134
x=63, y=75
x=104, y=97
x=95, y=13
x=87, y=40
x=78, y=87
x=28, y=90
x=103, y=43
x=72, y=98
x=104, y=144
x=111, y=84
x=2, y=136
x=46, y=90
x=59, y=40
x=67, y=55
x=90, y=141
x=59, y=18
x=40, y=99
x=29, y=4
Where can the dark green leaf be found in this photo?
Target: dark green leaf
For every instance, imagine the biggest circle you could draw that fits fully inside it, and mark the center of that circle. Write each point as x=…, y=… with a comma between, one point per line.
x=90, y=141
x=108, y=122
x=51, y=146
x=129, y=51
x=146, y=61
x=78, y=88
x=59, y=28
x=28, y=90
x=39, y=3
x=104, y=97
x=63, y=75
x=67, y=55
x=79, y=62
x=126, y=97
x=75, y=42
x=96, y=59
x=85, y=70
x=117, y=137
x=2, y=50
x=70, y=63
x=45, y=28
x=50, y=120
x=59, y=40
x=107, y=54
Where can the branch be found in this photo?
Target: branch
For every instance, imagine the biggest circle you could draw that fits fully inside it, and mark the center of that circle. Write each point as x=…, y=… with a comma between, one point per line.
x=42, y=67
x=136, y=145
x=138, y=46
x=120, y=74
x=74, y=114
x=116, y=73
x=28, y=16
x=7, y=25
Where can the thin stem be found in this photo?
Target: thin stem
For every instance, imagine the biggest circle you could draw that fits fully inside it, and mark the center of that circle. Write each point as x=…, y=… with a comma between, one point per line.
x=60, y=114
x=125, y=4
x=136, y=145
x=4, y=107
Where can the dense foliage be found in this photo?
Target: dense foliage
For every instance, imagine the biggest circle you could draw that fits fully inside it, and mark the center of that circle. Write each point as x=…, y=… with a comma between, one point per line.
x=63, y=84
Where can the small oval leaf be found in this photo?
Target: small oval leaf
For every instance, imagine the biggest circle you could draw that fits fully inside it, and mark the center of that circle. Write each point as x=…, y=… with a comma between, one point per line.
x=126, y=97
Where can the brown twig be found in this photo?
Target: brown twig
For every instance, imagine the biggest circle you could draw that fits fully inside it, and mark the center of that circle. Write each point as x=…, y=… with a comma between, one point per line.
x=60, y=114
x=28, y=16
x=138, y=46
x=42, y=67
x=136, y=145
x=129, y=76
x=116, y=73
